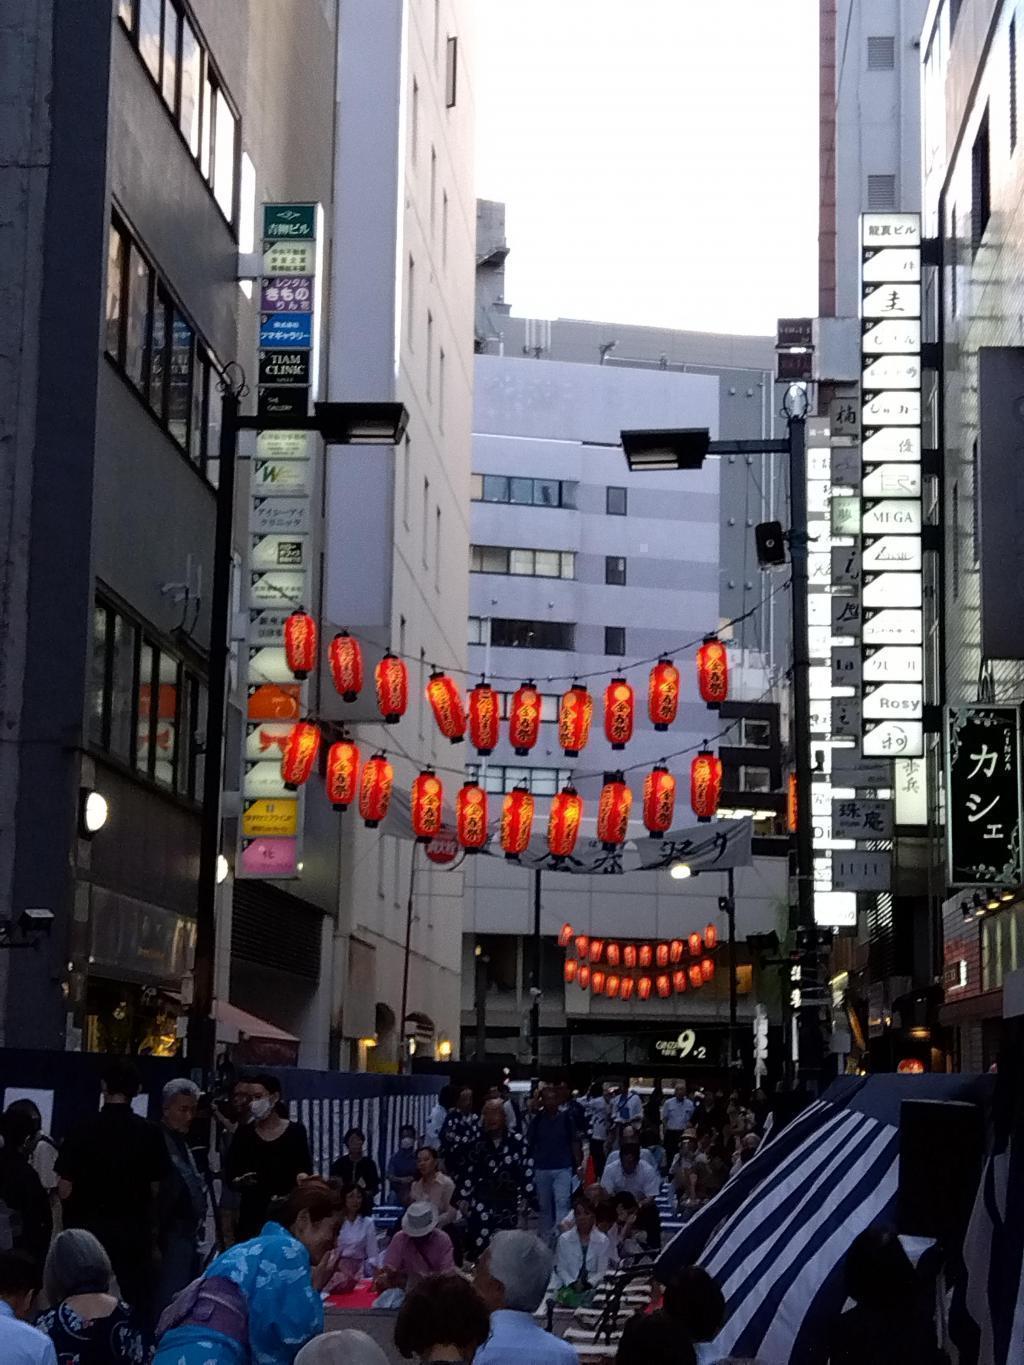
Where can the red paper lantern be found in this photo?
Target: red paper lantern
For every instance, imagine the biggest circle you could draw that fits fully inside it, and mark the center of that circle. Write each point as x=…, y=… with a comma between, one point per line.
x=484, y=718
x=300, y=753
x=696, y=975
x=705, y=785
x=446, y=703
x=596, y=949
x=713, y=671
x=611, y=987
x=582, y=945
x=471, y=816
x=619, y=705
x=664, y=987
x=710, y=935
x=613, y=813
x=516, y=828
x=627, y=988
x=679, y=981
x=629, y=955
x=792, y=804
x=597, y=980
x=564, y=822
x=342, y=774
x=565, y=933
x=300, y=643
x=646, y=955
x=392, y=679
x=346, y=659
x=569, y=970
x=375, y=790
x=675, y=951
x=661, y=955
x=707, y=968
x=426, y=806
x=643, y=988
x=574, y=716
x=695, y=945
x=613, y=955
x=524, y=719
x=659, y=800
x=663, y=694
x=583, y=977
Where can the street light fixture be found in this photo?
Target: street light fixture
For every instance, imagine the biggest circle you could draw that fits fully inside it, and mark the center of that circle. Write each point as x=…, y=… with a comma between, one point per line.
x=680, y=871
x=367, y=424
x=683, y=448
x=93, y=810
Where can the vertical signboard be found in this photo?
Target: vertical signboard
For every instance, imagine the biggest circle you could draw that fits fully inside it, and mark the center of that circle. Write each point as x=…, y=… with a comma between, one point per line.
x=983, y=816
x=278, y=569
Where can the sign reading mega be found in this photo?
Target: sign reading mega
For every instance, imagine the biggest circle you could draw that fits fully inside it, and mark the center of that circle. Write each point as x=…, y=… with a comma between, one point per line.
x=983, y=816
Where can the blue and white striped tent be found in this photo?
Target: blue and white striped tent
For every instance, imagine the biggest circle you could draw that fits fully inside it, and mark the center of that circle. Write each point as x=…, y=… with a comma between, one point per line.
x=775, y=1237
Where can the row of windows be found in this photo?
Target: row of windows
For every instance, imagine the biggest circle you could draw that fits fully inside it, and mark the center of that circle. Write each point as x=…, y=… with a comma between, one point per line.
x=504, y=632
x=528, y=563
x=157, y=350
x=498, y=778
x=522, y=492
x=175, y=57
x=145, y=707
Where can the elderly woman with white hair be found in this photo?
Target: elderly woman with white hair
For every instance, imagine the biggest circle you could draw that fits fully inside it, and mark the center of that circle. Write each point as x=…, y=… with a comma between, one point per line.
x=85, y=1321
x=512, y=1279
x=349, y=1347
x=181, y=1203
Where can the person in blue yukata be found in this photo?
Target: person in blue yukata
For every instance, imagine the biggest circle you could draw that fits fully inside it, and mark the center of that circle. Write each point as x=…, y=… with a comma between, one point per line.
x=258, y=1303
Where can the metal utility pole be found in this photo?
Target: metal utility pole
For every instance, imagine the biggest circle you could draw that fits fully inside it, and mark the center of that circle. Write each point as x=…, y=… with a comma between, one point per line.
x=535, y=977
x=480, y=961
x=404, y=1058
x=728, y=904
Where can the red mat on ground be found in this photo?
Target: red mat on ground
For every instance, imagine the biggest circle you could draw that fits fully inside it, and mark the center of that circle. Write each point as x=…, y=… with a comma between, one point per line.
x=361, y=1297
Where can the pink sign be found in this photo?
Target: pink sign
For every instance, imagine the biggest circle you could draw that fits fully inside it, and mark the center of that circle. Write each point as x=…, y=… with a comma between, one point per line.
x=270, y=858
x=286, y=294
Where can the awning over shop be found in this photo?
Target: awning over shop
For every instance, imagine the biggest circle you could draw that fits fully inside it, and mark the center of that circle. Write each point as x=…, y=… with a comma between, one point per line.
x=234, y=1024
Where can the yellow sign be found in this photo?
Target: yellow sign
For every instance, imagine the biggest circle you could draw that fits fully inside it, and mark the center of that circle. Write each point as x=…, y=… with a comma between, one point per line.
x=279, y=817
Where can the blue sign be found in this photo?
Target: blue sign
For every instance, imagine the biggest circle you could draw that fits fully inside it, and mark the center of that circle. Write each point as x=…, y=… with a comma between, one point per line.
x=286, y=329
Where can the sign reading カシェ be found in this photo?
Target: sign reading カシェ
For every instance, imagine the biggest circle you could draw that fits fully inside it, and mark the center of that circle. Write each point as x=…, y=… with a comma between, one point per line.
x=983, y=814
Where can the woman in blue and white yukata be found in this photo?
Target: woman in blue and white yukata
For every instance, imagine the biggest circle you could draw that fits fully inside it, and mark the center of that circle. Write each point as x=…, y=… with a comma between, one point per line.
x=259, y=1302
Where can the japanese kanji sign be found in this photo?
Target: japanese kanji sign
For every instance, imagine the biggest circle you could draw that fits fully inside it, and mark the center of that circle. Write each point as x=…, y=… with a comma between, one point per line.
x=983, y=818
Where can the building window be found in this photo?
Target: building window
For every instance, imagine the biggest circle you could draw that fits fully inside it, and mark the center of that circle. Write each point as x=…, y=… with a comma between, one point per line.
x=549, y=704
x=975, y=505
x=755, y=779
x=437, y=549
x=158, y=351
x=406, y=481
x=508, y=633
x=881, y=193
x=410, y=302
x=477, y=633
x=522, y=563
x=956, y=541
x=523, y=492
x=755, y=734
x=433, y=189
x=451, y=73
x=954, y=248
x=615, y=571
x=980, y=184
x=180, y=64
x=444, y=227
x=615, y=640
x=440, y=389
x=1013, y=83
x=414, y=122
x=881, y=54
x=430, y=354
x=499, y=778
x=615, y=501
x=425, y=521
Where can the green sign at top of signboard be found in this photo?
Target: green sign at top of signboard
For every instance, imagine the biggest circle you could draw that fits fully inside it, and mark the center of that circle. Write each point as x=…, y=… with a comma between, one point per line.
x=294, y=222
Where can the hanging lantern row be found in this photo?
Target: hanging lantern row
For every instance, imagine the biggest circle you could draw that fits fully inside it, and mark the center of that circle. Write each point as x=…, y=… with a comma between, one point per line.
x=481, y=712
x=660, y=953
x=615, y=986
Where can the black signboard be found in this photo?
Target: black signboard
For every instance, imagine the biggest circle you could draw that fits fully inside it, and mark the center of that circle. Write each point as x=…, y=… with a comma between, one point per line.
x=794, y=332
x=282, y=400
x=983, y=816
x=284, y=367
x=796, y=366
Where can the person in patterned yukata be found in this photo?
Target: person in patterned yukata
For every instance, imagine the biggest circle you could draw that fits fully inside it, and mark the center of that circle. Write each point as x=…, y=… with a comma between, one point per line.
x=460, y=1131
x=497, y=1178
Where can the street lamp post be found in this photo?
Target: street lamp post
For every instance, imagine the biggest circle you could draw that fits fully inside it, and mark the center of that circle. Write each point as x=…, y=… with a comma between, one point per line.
x=338, y=424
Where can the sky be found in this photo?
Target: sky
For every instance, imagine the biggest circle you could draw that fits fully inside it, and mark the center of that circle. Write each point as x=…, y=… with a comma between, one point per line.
x=658, y=158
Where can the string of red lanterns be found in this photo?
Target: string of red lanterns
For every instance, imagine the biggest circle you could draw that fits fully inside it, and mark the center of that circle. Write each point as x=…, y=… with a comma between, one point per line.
x=652, y=953
x=611, y=980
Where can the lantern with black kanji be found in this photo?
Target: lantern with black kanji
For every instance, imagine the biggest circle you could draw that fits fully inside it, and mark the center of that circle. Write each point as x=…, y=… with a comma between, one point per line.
x=611, y=986
x=300, y=753
x=597, y=980
x=661, y=955
x=643, y=988
x=696, y=975
x=565, y=933
x=618, y=713
x=574, y=715
x=392, y=679
x=710, y=935
x=613, y=955
x=627, y=988
x=342, y=774
x=659, y=800
x=426, y=806
x=564, y=822
x=300, y=643
x=516, y=828
x=675, y=950
x=524, y=718
x=696, y=947
x=679, y=981
x=705, y=785
x=613, y=813
x=645, y=956
x=663, y=694
x=707, y=968
x=375, y=790
x=471, y=816
x=596, y=949
x=664, y=987
x=582, y=945
x=583, y=977
x=569, y=970
x=446, y=703
x=345, y=656
x=484, y=718
x=713, y=671
x=629, y=955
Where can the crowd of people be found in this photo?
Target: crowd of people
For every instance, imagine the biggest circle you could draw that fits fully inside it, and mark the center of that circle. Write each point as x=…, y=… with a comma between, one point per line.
x=500, y=1208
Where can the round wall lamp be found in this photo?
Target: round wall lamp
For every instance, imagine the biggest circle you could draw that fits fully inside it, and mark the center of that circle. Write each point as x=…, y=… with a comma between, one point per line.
x=93, y=812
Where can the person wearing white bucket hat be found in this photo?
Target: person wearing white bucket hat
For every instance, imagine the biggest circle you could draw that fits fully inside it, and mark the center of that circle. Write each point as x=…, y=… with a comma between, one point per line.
x=419, y=1248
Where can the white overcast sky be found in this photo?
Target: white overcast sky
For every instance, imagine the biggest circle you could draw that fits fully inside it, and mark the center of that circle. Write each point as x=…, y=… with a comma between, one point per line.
x=658, y=157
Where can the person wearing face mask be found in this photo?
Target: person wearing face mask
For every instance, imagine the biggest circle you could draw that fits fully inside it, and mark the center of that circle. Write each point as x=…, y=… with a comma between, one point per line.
x=266, y=1158
x=402, y=1166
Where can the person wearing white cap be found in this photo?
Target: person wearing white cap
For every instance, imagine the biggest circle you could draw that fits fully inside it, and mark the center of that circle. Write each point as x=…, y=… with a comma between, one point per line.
x=419, y=1248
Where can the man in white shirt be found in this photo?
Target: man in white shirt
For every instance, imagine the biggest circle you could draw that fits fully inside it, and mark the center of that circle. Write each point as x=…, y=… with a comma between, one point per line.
x=512, y=1278
x=631, y=1173
x=627, y=1108
x=676, y=1115
x=20, y=1344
